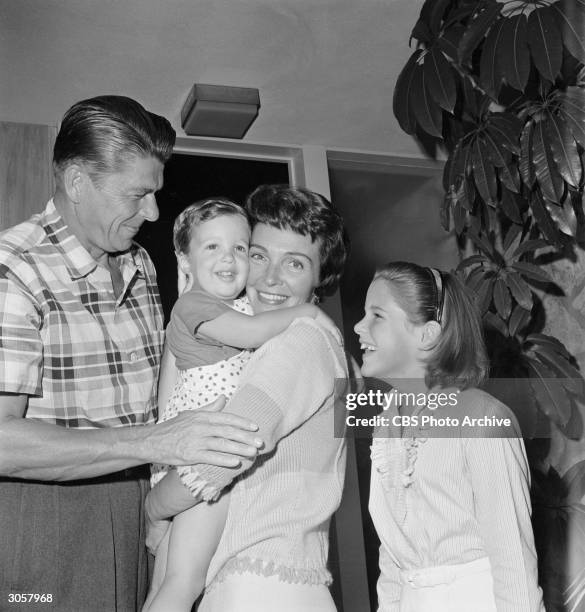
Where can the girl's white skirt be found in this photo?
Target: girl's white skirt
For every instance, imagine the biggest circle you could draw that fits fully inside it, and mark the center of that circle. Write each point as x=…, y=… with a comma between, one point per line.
x=249, y=592
x=449, y=588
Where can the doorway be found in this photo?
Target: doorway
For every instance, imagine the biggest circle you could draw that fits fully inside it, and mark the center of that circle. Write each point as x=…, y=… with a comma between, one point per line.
x=188, y=178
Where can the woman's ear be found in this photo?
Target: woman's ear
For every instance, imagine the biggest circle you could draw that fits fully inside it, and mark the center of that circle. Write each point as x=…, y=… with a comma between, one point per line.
x=430, y=334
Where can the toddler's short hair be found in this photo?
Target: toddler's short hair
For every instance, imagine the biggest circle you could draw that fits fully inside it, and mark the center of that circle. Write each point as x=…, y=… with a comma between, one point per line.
x=198, y=212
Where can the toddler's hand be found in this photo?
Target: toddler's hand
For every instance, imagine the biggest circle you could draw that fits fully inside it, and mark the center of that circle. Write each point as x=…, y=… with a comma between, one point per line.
x=155, y=530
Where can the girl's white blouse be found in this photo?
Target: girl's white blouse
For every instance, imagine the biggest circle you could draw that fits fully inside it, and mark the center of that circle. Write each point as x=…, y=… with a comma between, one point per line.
x=442, y=501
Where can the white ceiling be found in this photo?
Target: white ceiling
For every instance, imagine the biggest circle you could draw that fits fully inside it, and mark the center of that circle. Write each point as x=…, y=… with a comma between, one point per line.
x=325, y=68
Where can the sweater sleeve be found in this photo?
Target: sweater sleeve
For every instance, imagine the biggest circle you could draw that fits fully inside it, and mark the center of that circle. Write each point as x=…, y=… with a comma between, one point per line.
x=285, y=382
x=500, y=482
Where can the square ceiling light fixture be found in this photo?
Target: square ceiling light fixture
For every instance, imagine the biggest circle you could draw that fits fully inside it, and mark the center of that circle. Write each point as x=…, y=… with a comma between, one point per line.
x=219, y=110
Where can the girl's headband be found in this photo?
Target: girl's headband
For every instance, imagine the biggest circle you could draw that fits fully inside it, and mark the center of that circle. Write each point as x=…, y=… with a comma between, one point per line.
x=439, y=293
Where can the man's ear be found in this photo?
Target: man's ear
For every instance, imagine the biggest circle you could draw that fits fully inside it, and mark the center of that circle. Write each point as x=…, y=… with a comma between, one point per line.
x=430, y=334
x=74, y=182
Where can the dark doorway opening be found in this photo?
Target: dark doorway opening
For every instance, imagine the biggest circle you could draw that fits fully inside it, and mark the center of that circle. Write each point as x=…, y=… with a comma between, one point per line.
x=188, y=178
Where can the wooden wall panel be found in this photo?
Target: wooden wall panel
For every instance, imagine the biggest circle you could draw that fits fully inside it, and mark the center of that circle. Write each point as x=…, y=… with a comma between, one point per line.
x=26, y=173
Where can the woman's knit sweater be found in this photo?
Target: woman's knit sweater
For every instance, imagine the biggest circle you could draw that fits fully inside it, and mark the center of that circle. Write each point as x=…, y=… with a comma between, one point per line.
x=280, y=508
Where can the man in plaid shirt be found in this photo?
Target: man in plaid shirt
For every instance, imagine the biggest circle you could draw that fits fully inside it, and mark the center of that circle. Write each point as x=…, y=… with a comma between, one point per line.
x=81, y=334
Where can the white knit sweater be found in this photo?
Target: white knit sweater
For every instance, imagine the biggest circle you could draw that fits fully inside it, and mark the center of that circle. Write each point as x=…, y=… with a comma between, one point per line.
x=280, y=509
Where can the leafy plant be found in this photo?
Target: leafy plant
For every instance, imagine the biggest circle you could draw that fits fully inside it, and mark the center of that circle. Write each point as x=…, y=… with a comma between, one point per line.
x=499, y=85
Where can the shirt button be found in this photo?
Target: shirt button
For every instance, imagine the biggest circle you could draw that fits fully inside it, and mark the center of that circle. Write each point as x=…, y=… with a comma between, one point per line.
x=133, y=356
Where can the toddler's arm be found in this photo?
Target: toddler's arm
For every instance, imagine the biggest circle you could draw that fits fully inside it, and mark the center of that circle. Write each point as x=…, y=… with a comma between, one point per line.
x=243, y=331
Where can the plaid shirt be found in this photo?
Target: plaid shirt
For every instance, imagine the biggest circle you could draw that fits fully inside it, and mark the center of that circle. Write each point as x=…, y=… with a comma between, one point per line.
x=84, y=358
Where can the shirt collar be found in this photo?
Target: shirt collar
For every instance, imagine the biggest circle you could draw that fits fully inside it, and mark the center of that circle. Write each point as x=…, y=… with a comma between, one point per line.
x=78, y=261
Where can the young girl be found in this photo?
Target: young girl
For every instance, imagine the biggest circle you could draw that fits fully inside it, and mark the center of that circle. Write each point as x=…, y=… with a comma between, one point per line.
x=206, y=335
x=450, y=502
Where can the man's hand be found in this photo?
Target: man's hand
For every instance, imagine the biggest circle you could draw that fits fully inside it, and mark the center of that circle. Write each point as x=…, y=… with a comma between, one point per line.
x=204, y=436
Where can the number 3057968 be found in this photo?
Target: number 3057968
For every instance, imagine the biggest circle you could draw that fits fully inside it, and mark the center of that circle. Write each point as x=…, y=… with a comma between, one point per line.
x=30, y=597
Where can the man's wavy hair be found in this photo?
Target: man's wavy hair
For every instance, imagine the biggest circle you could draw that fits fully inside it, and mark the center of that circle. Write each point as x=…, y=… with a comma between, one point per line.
x=459, y=356
x=309, y=214
x=106, y=132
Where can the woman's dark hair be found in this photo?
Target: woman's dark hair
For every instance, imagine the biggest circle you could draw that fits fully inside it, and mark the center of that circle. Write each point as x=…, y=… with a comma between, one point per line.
x=459, y=356
x=103, y=133
x=309, y=214
x=199, y=212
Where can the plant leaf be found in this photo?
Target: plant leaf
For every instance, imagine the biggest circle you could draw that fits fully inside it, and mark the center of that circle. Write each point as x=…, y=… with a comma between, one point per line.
x=470, y=103
x=484, y=294
x=514, y=56
x=474, y=278
x=436, y=12
x=570, y=377
x=449, y=41
x=564, y=150
x=468, y=196
x=510, y=177
x=544, y=42
x=549, y=179
x=570, y=19
x=402, y=95
x=472, y=260
x=440, y=80
x=528, y=270
x=445, y=212
x=551, y=395
x=526, y=166
x=564, y=216
x=499, y=156
x=502, y=299
x=496, y=322
x=554, y=343
x=502, y=159
x=459, y=218
x=572, y=110
x=481, y=21
x=520, y=317
x=458, y=168
x=484, y=174
x=431, y=15
x=544, y=221
x=519, y=289
x=426, y=110
x=491, y=73
x=506, y=129
x=512, y=239
x=482, y=244
x=529, y=245
x=510, y=207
